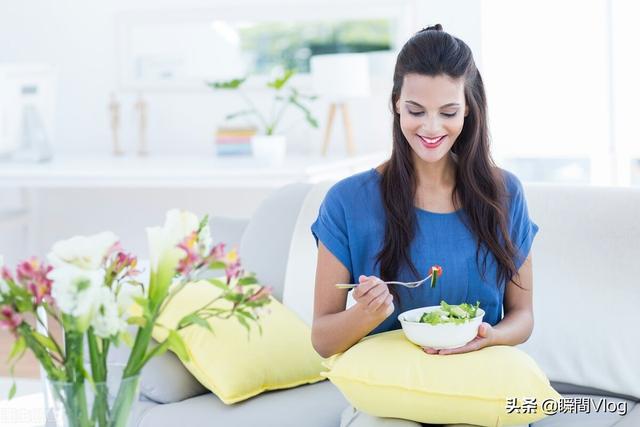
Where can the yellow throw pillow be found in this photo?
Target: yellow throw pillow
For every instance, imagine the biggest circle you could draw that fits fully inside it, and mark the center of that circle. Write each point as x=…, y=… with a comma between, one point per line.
x=236, y=365
x=388, y=376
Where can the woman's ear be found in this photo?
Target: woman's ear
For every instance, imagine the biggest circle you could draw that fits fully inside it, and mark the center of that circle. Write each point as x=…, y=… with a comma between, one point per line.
x=466, y=110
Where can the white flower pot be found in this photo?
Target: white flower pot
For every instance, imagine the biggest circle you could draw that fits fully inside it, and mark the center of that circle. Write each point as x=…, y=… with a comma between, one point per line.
x=269, y=149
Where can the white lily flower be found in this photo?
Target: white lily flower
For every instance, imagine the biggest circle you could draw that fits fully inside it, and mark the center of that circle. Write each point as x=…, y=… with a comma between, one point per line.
x=75, y=289
x=164, y=253
x=178, y=225
x=107, y=320
x=86, y=252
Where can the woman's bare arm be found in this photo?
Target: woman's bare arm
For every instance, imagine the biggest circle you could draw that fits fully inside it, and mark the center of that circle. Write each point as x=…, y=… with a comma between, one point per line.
x=336, y=328
x=517, y=324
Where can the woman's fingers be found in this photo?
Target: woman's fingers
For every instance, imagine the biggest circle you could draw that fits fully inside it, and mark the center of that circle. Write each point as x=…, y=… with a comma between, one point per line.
x=379, y=300
x=430, y=350
x=367, y=283
x=373, y=295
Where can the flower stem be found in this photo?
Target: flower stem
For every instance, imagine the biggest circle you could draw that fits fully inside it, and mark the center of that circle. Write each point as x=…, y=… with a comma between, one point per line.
x=100, y=408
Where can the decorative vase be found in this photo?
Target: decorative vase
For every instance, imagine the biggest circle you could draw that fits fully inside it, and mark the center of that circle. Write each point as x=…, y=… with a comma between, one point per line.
x=269, y=149
x=104, y=404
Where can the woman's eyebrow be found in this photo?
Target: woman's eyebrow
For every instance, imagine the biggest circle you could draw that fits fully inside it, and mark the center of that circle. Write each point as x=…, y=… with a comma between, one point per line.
x=451, y=104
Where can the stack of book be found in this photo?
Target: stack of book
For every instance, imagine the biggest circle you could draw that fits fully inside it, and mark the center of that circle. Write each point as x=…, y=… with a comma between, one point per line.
x=234, y=141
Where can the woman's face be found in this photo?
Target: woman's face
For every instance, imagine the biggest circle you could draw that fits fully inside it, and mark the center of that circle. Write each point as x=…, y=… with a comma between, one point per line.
x=432, y=112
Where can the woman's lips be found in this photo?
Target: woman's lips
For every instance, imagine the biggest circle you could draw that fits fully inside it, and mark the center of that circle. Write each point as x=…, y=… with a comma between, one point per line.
x=428, y=142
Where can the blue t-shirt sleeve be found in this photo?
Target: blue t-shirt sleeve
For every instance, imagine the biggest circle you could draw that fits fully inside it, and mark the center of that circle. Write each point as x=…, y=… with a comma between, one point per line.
x=523, y=230
x=331, y=226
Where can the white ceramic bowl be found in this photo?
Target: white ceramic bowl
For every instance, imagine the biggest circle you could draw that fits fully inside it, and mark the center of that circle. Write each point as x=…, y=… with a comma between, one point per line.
x=442, y=336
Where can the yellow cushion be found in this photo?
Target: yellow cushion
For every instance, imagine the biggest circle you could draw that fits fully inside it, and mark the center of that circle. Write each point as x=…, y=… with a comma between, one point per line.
x=388, y=376
x=233, y=364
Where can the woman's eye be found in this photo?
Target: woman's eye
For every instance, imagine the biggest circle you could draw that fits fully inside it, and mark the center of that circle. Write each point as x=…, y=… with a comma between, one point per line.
x=419, y=113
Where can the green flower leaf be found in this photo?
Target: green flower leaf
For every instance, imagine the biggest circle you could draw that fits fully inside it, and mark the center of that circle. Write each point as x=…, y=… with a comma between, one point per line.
x=192, y=319
x=246, y=314
x=176, y=344
x=18, y=349
x=46, y=341
x=12, y=390
x=244, y=323
x=203, y=223
x=219, y=284
x=217, y=265
x=137, y=320
x=247, y=280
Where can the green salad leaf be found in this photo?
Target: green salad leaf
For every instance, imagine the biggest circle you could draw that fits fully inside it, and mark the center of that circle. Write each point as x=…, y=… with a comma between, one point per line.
x=447, y=313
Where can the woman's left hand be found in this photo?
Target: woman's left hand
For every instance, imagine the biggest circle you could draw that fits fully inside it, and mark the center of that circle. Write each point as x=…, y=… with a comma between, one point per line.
x=482, y=340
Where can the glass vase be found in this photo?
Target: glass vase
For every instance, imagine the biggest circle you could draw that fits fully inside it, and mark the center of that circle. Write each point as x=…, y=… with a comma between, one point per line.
x=103, y=404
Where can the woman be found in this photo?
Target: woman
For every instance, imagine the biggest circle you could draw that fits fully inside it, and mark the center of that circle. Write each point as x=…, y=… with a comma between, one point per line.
x=439, y=200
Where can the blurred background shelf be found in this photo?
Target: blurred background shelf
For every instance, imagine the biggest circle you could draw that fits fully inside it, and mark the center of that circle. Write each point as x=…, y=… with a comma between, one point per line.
x=180, y=172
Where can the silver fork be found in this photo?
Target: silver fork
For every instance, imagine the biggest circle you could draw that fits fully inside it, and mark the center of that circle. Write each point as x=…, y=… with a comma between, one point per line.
x=405, y=284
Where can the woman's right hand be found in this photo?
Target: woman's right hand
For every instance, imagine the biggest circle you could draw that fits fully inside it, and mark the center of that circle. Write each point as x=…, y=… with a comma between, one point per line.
x=373, y=297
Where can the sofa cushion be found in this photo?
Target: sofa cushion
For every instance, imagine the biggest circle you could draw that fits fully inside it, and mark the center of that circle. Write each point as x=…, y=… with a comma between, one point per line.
x=236, y=365
x=315, y=405
x=586, y=298
x=388, y=376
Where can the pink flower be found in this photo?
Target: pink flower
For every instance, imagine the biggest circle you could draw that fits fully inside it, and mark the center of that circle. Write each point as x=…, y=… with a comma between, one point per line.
x=9, y=319
x=115, y=248
x=125, y=261
x=122, y=262
x=261, y=293
x=192, y=257
x=33, y=277
x=217, y=252
x=6, y=275
x=232, y=270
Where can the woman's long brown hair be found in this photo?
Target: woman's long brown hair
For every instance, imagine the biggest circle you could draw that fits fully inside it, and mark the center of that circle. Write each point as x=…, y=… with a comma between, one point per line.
x=479, y=187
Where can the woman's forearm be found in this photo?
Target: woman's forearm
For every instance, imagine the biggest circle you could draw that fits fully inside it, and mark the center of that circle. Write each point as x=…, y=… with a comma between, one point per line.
x=335, y=333
x=515, y=328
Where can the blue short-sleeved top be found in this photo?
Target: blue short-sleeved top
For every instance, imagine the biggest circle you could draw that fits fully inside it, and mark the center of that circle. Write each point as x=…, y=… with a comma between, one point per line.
x=351, y=224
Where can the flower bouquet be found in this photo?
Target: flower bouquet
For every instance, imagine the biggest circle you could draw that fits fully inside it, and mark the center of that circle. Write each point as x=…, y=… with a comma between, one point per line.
x=89, y=285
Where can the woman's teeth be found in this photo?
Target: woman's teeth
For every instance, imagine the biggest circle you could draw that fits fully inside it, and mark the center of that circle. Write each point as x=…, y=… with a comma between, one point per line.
x=431, y=140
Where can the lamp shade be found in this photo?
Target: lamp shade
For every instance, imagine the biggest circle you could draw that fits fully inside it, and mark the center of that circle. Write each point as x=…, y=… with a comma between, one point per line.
x=341, y=76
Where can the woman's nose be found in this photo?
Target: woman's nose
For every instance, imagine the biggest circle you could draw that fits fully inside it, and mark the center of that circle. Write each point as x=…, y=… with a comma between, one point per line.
x=431, y=126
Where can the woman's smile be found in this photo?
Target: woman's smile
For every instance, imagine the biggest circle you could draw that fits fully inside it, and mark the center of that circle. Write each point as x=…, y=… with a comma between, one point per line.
x=431, y=143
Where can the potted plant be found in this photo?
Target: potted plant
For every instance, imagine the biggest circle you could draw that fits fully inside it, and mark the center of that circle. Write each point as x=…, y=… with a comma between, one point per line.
x=269, y=146
x=88, y=285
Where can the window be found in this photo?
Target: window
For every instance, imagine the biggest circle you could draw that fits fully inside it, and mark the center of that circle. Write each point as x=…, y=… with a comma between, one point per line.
x=546, y=69
x=267, y=45
x=183, y=49
x=626, y=88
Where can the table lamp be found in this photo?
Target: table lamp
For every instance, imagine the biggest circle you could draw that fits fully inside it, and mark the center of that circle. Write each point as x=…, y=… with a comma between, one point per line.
x=338, y=78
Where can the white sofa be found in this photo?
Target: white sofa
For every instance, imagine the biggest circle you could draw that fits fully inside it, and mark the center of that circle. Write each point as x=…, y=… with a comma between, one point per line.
x=586, y=261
